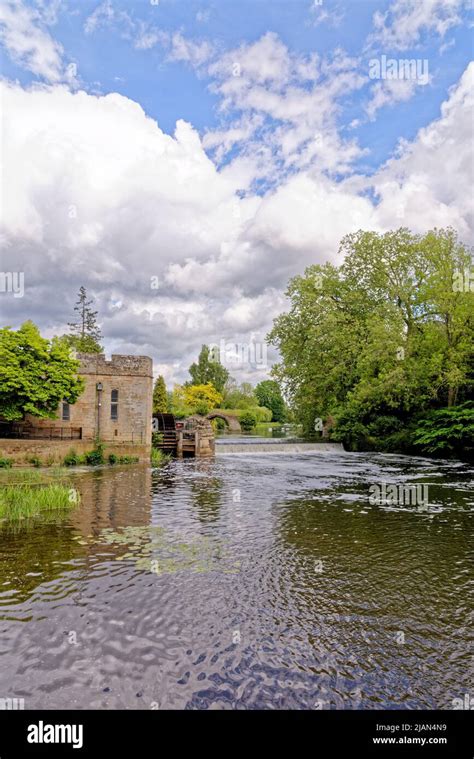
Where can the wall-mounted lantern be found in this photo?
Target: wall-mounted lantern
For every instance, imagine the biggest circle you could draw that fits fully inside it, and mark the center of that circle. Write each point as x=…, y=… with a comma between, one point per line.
x=99, y=388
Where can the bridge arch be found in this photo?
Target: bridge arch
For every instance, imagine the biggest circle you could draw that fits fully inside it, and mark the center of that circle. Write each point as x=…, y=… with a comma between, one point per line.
x=231, y=421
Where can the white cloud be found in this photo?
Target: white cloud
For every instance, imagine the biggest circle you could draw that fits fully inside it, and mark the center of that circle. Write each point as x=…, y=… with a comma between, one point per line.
x=190, y=51
x=295, y=98
x=430, y=183
x=389, y=92
x=406, y=21
x=99, y=195
x=29, y=44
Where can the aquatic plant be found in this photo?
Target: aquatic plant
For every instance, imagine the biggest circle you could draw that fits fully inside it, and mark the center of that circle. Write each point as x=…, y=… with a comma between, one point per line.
x=23, y=500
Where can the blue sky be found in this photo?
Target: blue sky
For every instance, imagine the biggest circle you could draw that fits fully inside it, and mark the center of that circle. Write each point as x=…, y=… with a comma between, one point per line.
x=249, y=138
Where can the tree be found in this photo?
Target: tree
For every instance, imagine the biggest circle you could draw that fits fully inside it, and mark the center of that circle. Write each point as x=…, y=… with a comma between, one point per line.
x=386, y=334
x=160, y=396
x=192, y=399
x=247, y=420
x=35, y=374
x=268, y=394
x=199, y=397
x=208, y=369
x=86, y=335
x=239, y=396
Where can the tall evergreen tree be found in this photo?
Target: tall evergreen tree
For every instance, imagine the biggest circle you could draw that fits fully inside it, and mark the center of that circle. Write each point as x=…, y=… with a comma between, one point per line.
x=208, y=369
x=85, y=333
x=160, y=396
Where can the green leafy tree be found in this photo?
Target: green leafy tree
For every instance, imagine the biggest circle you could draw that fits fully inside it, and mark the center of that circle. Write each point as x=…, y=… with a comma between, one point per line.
x=248, y=420
x=160, y=396
x=35, y=374
x=447, y=431
x=269, y=394
x=194, y=399
x=208, y=369
x=85, y=333
x=386, y=334
x=239, y=396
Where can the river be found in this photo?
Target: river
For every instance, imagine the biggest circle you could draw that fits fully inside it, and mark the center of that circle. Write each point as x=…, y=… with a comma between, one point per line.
x=244, y=582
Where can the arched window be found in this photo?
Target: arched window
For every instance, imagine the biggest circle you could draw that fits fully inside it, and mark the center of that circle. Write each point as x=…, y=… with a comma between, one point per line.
x=114, y=405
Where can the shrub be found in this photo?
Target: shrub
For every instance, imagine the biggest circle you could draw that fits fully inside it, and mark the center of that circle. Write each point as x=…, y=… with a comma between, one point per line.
x=248, y=420
x=262, y=414
x=71, y=458
x=127, y=459
x=158, y=458
x=156, y=439
x=35, y=461
x=447, y=431
x=5, y=463
x=96, y=456
x=113, y=458
x=202, y=408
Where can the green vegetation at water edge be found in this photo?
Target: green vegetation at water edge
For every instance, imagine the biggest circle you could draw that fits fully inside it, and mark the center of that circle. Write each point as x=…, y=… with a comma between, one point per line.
x=381, y=348
x=96, y=457
x=158, y=458
x=25, y=493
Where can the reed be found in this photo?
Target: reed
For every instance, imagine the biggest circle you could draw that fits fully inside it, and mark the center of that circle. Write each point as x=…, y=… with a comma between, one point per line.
x=28, y=494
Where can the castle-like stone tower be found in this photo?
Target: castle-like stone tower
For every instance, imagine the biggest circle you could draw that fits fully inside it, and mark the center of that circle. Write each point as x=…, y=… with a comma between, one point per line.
x=116, y=403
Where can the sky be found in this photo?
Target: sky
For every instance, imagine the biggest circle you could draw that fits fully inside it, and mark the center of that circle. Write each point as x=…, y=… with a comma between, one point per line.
x=183, y=159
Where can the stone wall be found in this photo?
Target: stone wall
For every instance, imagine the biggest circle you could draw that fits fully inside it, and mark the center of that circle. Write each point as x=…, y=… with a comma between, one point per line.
x=52, y=452
x=132, y=377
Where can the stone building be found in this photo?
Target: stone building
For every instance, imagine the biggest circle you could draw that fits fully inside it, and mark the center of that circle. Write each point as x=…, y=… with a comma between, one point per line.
x=115, y=406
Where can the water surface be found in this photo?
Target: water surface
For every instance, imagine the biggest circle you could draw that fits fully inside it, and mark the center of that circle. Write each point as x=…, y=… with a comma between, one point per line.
x=244, y=582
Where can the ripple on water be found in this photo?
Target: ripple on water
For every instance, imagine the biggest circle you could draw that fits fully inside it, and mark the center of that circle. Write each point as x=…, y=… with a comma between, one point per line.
x=244, y=582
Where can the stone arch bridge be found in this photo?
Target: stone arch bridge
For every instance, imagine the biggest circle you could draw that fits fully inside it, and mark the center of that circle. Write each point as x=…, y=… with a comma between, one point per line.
x=231, y=421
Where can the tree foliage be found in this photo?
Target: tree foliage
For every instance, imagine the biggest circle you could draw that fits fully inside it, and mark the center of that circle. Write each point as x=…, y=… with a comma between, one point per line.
x=35, y=374
x=269, y=394
x=208, y=369
x=385, y=334
x=85, y=333
x=447, y=429
x=237, y=396
x=160, y=396
x=248, y=420
x=195, y=399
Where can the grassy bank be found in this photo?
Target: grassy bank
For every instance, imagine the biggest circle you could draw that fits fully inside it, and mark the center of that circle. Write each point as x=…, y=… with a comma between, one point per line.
x=158, y=458
x=26, y=493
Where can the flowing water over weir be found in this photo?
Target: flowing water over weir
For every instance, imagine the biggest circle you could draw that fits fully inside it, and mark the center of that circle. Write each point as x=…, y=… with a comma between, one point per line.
x=252, y=445
x=244, y=581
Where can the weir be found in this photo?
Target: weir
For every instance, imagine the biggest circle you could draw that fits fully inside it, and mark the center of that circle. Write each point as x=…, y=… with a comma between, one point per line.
x=223, y=448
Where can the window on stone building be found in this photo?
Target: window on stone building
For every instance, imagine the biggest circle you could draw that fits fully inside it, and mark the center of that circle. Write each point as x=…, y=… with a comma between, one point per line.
x=66, y=412
x=114, y=404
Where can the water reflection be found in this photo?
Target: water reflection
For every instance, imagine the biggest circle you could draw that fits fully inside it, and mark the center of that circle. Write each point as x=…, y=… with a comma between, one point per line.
x=246, y=582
